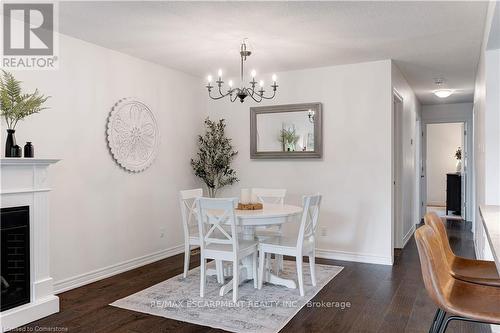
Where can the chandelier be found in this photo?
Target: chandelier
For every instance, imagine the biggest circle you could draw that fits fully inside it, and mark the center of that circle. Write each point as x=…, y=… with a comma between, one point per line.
x=257, y=94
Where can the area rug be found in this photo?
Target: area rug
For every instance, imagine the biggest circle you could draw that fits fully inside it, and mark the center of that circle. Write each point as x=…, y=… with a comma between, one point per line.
x=264, y=311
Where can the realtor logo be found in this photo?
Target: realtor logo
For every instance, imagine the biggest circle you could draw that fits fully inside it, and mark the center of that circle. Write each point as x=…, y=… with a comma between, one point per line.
x=28, y=36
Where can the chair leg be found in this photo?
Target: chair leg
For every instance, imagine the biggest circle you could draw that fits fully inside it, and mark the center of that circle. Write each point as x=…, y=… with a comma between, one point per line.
x=187, y=256
x=300, y=276
x=203, y=275
x=439, y=321
x=444, y=325
x=220, y=271
x=262, y=257
x=254, y=271
x=312, y=267
x=236, y=280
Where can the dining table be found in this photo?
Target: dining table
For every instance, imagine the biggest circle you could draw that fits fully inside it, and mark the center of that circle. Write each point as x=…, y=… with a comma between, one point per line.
x=249, y=221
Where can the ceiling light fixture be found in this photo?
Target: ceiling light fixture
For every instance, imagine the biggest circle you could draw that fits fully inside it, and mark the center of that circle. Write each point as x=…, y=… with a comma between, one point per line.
x=243, y=91
x=441, y=92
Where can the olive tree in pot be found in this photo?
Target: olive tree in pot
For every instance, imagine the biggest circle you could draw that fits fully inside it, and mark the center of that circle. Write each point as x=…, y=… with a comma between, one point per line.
x=213, y=160
x=16, y=105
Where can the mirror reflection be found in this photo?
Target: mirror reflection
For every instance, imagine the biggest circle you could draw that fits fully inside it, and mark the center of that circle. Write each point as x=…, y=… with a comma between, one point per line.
x=285, y=131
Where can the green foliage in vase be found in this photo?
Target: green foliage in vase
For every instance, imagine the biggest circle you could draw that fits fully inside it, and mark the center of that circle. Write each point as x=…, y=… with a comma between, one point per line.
x=213, y=160
x=16, y=105
x=288, y=137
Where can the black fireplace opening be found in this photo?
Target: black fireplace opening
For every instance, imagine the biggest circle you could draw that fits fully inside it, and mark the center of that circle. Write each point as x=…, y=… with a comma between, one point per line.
x=15, y=256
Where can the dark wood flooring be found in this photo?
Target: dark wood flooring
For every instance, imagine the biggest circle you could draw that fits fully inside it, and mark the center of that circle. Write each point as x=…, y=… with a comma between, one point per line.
x=383, y=299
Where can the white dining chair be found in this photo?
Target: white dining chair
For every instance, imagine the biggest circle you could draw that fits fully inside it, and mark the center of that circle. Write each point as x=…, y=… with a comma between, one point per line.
x=187, y=199
x=303, y=245
x=220, y=243
x=272, y=196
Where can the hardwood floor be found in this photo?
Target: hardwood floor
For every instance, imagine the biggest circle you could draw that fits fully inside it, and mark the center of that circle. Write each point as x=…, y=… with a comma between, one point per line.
x=383, y=299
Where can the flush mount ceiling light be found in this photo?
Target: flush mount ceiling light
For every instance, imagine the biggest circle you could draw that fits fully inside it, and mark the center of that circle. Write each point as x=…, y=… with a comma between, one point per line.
x=441, y=92
x=257, y=94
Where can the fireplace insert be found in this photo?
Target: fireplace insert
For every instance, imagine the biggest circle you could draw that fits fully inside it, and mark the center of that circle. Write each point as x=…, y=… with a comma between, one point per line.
x=15, y=257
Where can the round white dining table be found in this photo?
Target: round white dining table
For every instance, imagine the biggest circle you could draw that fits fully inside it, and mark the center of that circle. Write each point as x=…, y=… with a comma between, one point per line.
x=249, y=220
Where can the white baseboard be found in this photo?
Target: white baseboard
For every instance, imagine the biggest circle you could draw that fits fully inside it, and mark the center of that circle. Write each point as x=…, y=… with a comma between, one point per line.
x=102, y=273
x=353, y=256
x=408, y=235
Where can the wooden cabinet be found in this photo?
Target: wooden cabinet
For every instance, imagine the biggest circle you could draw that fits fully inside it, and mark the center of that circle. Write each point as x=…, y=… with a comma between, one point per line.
x=454, y=193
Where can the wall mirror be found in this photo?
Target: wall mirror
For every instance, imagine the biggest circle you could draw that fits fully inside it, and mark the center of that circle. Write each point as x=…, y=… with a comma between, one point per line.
x=286, y=131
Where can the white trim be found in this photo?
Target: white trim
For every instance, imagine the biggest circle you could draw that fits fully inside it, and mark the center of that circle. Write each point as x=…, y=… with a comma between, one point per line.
x=353, y=256
x=408, y=235
x=105, y=272
x=27, y=313
x=27, y=161
x=26, y=190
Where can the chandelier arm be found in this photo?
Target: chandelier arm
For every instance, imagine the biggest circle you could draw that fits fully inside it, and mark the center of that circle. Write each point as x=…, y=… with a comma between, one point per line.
x=270, y=97
x=233, y=99
x=217, y=97
x=256, y=100
x=220, y=91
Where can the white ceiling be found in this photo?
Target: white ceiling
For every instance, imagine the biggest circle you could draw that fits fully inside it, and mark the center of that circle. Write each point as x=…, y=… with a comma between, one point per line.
x=426, y=39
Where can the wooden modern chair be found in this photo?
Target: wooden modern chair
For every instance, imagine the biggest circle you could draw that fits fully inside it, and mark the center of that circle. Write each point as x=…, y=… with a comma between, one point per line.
x=303, y=245
x=220, y=244
x=187, y=200
x=470, y=270
x=270, y=196
x=461, y=300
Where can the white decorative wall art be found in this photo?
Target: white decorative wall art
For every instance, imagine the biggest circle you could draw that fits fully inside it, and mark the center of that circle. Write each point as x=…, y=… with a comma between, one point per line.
x=132, y=134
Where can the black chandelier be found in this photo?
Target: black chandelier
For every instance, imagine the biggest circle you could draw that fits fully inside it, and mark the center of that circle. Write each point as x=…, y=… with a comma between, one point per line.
x=242, y=92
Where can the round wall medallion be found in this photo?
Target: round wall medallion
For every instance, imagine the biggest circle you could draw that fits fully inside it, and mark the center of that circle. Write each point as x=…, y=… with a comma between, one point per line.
x=132, y=134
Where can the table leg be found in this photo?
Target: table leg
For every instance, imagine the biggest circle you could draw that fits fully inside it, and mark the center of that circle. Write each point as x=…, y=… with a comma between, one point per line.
x=246, y=263
x=275, y=279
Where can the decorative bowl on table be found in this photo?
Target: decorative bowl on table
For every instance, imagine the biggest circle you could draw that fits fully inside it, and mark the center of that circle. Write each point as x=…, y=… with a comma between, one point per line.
x=249, y=206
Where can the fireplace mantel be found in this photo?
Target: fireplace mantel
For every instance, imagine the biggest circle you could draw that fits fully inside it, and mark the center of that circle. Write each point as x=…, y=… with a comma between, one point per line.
x=25, y=182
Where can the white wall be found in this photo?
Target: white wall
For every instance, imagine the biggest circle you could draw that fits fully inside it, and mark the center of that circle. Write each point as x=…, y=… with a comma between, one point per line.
x=354, y=175
x=101, y=215
x=443, y=141
x=486, y=134
x=411, y=112
x=492, y=127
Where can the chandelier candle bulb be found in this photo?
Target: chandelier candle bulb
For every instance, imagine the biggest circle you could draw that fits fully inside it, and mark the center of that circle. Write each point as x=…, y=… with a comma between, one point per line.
x=261, y=83
x=230, y=83
x=219, y=72
x=209, y=78
x=253, y=73
x=245, y=196
x=274, y=78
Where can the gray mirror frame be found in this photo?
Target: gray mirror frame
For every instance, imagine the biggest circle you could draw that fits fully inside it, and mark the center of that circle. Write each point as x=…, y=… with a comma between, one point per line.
x=318, y=131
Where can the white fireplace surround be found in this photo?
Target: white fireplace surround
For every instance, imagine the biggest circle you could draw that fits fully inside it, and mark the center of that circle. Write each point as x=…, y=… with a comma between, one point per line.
x=25, y=182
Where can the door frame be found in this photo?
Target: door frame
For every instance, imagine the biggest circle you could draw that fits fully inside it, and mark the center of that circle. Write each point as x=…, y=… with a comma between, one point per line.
x=466, y=163
x=397, y=170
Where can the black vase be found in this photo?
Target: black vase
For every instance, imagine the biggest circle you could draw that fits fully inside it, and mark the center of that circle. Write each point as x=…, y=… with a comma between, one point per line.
x=16, y=151
x=10, y=143
x=28, y=150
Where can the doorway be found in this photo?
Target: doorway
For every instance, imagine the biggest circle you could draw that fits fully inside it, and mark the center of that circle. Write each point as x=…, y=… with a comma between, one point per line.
x=444, y=175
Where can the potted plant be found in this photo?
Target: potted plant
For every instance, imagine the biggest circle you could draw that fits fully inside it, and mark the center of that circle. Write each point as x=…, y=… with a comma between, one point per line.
x=288, y=139
x=458, y=156
x=16, y=105
x=213, y=160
